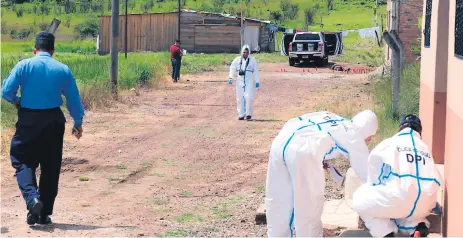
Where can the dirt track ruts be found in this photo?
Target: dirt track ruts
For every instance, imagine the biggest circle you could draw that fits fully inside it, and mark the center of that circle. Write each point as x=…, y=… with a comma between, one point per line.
x=176, y=161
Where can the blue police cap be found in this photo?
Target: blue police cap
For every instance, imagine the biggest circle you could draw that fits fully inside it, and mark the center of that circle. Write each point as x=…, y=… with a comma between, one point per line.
x=45, y=41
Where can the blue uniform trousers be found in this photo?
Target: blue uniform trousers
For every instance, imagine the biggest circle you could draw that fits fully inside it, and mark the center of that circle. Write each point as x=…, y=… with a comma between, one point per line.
x=38, y=141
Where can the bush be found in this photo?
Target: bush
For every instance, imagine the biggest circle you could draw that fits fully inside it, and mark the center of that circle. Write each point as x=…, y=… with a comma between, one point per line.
x=309, y=14
x=44, y=10
x=289, y=10
x=22, y=34
x=89, y=27
x=5, y=29
x=43, y=26
x=147, y=5
x=19, y=12
x=276, y=16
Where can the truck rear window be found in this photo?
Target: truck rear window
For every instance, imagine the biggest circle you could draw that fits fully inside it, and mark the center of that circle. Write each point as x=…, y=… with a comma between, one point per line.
x=307, y=37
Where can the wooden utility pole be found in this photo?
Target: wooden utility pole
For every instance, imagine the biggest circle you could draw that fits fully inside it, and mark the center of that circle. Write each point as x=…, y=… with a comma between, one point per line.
x=178, y=20
x=113, y=44
x=241, y=30
x=126, y=23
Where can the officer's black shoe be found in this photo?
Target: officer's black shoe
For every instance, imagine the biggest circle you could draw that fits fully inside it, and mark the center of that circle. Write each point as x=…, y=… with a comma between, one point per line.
x=421, y=230
x=240, y=118
x=248, y=118
x=35, y=208
x=44, y=220
x=390, y=234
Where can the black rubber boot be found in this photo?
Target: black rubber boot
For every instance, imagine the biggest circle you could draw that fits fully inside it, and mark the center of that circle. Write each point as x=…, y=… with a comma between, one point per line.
x=248, y=118
x=240, y=118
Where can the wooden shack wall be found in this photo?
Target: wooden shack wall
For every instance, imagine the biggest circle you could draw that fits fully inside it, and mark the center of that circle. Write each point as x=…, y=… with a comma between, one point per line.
x=200, y=32
x=145, y=32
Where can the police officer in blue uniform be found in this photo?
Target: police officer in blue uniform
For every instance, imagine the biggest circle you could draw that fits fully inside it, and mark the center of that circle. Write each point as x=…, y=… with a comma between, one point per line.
x=38, y=139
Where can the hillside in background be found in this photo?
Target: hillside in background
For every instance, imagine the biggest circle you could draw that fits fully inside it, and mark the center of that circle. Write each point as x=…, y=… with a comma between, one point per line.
x=21, y=20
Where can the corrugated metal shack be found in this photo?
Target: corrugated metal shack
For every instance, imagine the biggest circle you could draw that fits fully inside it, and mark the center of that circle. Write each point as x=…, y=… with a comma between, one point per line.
x=200, y=32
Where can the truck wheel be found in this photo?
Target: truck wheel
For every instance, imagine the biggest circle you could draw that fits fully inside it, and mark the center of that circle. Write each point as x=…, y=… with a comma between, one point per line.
x=291, y=62
x=325, y=61
x=320, y=62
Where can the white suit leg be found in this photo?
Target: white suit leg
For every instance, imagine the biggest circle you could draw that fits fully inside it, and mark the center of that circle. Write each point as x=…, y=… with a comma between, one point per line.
x=240, y=99
x=308, y=180
x=375, y=209
x=249, y=96
x=279, y=196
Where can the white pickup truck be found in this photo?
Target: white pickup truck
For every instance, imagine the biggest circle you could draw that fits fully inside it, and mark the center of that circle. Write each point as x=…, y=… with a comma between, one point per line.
x=305, y=47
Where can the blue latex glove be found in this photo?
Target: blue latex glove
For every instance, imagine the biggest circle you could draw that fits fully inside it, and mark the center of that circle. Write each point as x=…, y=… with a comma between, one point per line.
x=257, y=85
x=230, y=81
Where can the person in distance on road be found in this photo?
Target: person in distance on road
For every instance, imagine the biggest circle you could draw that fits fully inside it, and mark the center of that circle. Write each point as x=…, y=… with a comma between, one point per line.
x=247, y=79
x=402, y=184
x=38, y=139
x=295, y=178
x=176, y=59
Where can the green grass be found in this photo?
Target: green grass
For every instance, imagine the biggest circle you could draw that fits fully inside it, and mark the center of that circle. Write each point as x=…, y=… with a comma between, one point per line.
x=175, y=233
x=408, y=103
x=189, y=217
x=84, y=179
x=223, y=209
x=350, y=14
x=361, y=51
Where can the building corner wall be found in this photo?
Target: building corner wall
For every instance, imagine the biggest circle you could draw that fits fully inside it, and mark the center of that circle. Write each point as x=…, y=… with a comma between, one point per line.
x=453, y=143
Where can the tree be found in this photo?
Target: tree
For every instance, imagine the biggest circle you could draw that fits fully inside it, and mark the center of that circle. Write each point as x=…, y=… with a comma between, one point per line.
x=330, y=4
x=289, y=10
x=309, y=14
x=276, y=16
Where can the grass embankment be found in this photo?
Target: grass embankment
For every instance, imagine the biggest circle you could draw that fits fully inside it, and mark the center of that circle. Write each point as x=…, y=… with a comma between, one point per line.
x=362, y=51
x=344, y=15
x=409, y=100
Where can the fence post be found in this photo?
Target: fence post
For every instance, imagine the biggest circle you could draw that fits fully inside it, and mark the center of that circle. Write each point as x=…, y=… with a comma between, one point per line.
x=113, y=43
x=393, y=41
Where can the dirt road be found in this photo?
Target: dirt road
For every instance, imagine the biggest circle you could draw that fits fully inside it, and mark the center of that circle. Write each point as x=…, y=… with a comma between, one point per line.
x=176, y=161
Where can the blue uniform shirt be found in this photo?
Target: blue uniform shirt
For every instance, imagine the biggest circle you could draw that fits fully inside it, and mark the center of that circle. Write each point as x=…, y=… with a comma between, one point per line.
x=42, y=81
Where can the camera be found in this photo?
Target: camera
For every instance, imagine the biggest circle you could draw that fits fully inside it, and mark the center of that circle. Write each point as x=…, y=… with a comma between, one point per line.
x=241, y=72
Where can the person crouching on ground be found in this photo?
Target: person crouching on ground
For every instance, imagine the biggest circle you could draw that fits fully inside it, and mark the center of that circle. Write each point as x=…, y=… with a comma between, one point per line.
x=402, y=184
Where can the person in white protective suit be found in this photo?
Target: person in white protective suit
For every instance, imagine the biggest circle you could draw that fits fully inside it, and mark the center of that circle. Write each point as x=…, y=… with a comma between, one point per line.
x=295, y=178
x=247, y=79
x=402, y=184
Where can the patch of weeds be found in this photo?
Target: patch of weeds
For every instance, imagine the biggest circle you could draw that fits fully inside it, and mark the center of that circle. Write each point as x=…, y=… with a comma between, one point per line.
x=84, y=179
x=261, y=188
x=121, y=167
x=222, y=211
x=104, y=193
x=163, y=210
x=169, y=162
x=146, y=165
x=157, y=174
x=165, y=145
x=113, y=180
x=85, y=205
x=180, y=177
x=175, y=233
x=186, y=194
x=157, y=201
x=189, y=217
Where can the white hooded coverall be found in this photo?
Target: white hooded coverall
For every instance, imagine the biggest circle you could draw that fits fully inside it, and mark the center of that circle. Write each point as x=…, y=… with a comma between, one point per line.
x=402, y=185
x=295, y=177
x=245, y=84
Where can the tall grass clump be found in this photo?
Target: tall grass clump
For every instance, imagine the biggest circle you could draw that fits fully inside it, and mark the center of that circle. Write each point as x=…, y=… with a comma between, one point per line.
x=87, y=46
x=408, y=102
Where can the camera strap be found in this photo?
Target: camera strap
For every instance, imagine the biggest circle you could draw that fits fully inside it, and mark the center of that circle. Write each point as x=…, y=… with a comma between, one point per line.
x=247, y=63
